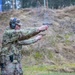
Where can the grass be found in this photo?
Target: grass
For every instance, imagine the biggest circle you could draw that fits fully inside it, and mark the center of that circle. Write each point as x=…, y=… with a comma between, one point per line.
x=45, y=70
x=47, y=73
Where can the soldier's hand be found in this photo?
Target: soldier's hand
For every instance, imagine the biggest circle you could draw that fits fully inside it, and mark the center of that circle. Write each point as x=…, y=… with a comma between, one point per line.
x=38, y=37
x=43, y=28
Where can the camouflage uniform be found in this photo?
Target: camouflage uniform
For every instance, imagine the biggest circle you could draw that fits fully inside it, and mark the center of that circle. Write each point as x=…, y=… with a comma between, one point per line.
x=11, y=49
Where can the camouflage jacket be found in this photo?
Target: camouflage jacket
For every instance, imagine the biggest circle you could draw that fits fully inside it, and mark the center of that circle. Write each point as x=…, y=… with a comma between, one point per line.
x=14, y=39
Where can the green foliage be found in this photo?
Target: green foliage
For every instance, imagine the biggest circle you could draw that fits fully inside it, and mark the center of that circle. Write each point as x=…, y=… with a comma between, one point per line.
x=66, y=37
x=38, y=55
x=50, y=55
x=46, y=69
x=57, y=73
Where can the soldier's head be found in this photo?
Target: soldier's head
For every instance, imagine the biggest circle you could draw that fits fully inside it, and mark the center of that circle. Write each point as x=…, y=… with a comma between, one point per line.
x=15, y=23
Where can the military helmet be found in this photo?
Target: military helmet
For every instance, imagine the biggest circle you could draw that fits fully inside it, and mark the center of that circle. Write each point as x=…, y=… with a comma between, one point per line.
x=13, y=22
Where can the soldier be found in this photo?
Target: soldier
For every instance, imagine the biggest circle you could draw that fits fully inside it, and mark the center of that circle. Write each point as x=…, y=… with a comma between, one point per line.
x=13, y=39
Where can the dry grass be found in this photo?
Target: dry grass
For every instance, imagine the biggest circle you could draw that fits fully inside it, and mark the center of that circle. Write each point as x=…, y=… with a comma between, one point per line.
x=58, y=44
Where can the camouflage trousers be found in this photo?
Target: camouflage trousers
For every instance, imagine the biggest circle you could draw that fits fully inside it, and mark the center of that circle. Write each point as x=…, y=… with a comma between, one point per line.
x=11, y=68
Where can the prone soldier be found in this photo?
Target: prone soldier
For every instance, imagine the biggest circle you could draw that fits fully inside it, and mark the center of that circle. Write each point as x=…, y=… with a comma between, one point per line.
x=13, y=39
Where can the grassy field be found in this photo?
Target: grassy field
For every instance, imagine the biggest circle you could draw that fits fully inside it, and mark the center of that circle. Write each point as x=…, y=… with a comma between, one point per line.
x=43, y=70
x=45, y=73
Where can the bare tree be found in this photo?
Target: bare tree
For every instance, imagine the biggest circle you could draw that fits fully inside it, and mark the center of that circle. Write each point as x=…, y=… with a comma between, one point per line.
x=14, y=4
